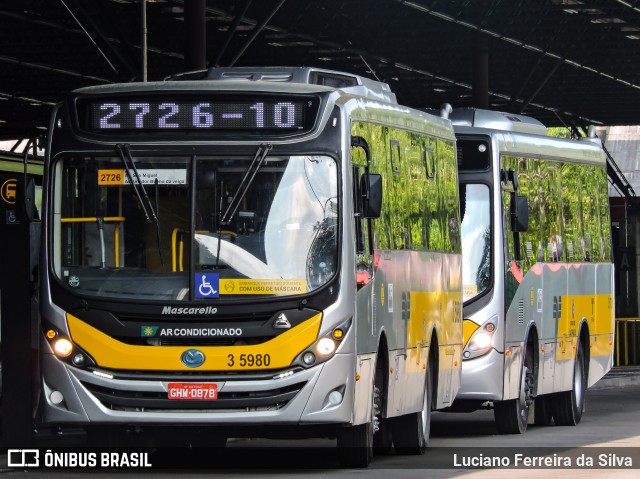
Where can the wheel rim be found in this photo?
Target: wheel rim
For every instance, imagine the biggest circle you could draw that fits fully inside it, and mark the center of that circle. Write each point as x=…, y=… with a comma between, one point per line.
x=426, y=408
x=426, y=425
x=525, y=393
x=376, y=409
x=577, y=381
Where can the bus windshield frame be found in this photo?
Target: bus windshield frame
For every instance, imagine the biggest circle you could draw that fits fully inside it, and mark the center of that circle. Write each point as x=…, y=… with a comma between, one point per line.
x=122, y=227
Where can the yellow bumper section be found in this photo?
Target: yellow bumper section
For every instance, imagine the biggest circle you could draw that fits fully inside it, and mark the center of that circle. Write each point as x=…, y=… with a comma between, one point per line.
x=276, y=353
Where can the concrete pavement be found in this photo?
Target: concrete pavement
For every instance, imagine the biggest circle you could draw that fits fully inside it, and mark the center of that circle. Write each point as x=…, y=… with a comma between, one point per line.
x=619, y=376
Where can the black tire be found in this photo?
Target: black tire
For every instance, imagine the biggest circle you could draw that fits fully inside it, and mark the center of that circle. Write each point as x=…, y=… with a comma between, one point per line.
x=382, y=431
x=512, y=416
x=567, y=406
x=411, y=432
x=543, y=414
x=355, y=445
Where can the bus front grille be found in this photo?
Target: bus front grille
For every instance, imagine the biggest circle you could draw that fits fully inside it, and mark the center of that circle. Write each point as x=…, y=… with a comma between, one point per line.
x=131, y=400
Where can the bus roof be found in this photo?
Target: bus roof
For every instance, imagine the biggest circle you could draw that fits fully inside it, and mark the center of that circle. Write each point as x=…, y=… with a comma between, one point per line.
x=260, y=79
x=521, y=135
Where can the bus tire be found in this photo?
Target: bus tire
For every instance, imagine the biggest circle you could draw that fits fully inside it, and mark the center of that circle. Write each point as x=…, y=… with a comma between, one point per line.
x=542, y=414
x=411, y=432
x=512, y=416
x=355, y=445
x=567, y=406
x=382, y=433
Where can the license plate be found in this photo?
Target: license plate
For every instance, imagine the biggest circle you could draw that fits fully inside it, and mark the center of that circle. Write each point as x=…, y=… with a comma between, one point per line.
x=192, y=391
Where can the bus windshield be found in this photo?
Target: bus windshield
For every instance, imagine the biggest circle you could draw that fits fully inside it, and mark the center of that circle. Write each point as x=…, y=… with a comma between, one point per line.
x=476, y=239
x=191, y=228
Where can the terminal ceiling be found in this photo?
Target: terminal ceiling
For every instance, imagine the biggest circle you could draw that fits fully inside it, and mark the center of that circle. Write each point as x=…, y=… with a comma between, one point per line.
x=561, y=61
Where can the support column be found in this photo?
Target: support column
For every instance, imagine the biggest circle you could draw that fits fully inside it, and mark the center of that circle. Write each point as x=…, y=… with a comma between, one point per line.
x=627, y=271
x=195, y=51
x=19, y=350
x=481, y=74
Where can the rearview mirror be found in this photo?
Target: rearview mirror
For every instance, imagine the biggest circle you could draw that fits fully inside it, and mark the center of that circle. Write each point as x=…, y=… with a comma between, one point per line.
x=371, y=188
x=519, y=213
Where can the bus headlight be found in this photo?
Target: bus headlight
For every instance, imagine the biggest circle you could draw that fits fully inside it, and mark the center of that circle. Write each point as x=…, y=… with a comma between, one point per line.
x=63, y=347
x=324, y=348
x=481, y=341
x=66, y=350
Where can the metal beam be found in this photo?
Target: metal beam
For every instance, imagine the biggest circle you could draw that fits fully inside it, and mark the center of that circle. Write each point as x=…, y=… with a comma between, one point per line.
x=232, y=31
x=117, y=62
x=78, y=31
x=256, y=31
x=541, y=86
x=515, y=98
x=481, y=74
x=513, y=41
x=195, y=51
x=49, y=68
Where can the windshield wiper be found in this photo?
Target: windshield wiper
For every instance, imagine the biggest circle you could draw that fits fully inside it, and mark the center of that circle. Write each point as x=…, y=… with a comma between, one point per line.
x=138, y=186
x=240, y=193
x=245, y=184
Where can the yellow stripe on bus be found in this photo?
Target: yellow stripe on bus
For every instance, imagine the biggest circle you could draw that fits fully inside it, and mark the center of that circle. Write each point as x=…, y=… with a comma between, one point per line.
x=598, y=311
x=110, y=353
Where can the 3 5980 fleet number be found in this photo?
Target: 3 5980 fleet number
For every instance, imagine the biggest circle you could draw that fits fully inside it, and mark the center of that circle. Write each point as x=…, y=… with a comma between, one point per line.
x=248, y=360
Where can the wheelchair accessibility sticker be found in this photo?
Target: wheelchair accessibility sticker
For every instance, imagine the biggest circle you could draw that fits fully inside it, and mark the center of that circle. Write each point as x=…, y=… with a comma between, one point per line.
x=207, y=285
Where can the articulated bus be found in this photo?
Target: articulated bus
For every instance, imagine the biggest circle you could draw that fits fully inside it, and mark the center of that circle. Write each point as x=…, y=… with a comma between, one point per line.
x=537, y=275
x=269, y=251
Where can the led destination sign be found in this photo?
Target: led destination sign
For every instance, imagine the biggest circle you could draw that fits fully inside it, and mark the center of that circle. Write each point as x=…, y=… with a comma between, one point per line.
x=172, y=114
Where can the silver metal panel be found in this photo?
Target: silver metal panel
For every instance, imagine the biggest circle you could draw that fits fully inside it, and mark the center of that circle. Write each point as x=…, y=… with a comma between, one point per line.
x=482, y=378
x=366, y=368
x=497, y=120
x=363, y=109
x=546, y=372
x=598, y=367
x=512, y=371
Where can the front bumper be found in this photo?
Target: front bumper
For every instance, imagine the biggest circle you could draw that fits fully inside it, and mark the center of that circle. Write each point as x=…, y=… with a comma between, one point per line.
x=299, y=398
x=483, y=378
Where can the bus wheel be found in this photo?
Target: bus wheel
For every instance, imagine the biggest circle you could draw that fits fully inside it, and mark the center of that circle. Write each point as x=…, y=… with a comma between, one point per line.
x=382, y=438
x=543, y=414
x=411, y=432
x=355, y=445
x=567, y=406
x=512, y=416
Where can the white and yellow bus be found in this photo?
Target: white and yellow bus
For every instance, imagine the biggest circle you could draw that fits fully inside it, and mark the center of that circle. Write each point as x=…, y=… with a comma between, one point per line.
x=263, y=251
x=537, y=273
